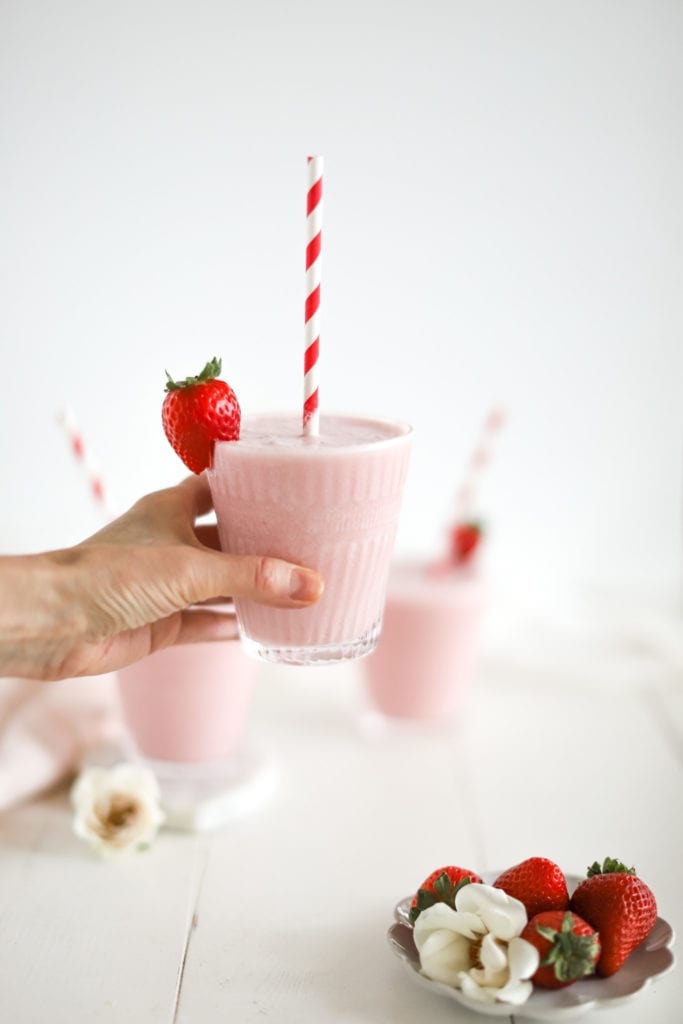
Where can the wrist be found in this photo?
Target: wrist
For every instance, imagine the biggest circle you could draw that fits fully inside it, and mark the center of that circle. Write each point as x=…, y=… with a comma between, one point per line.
x=41, y=616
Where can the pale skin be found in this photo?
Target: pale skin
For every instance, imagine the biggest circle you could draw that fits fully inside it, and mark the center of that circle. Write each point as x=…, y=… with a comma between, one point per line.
x=133, y=588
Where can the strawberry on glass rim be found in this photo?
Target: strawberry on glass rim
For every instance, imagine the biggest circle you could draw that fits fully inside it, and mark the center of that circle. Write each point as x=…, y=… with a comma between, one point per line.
x=465, y=540
x=197, y=412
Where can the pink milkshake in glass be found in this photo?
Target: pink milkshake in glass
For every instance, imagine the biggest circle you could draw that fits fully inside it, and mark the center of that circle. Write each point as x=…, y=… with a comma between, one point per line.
x=329, y=502
x=188, y=704
x=426, y=656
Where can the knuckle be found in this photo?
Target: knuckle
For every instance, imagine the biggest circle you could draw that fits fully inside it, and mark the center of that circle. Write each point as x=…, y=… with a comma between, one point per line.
x=266, y=575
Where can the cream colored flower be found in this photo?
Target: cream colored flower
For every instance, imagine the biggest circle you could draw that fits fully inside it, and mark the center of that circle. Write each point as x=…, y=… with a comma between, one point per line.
x=116, y=809
x=476, y=947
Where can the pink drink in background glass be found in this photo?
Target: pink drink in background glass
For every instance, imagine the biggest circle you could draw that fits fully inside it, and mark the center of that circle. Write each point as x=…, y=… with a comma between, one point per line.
x=329, y=502
x=426, y=656
x=188, y=703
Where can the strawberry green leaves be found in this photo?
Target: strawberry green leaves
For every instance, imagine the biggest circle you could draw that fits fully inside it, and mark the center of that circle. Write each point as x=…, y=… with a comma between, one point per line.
x=444, y=890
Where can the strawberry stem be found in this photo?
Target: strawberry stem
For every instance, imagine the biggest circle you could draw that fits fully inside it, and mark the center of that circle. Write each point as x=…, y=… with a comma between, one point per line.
x=210, y=372
x=471, y=524
x=572, y=956
x=610, y=866
x=444, y=891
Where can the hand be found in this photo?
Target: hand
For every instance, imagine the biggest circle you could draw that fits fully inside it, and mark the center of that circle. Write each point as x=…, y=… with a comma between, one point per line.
x=132, y=589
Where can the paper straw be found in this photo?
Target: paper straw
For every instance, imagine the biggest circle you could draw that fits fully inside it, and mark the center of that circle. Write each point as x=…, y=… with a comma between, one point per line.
x=84, y=457
x=314, y=219
x=479, y=461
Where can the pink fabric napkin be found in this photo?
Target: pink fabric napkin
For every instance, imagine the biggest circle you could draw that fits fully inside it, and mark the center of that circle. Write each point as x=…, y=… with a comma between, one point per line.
x=47, y=729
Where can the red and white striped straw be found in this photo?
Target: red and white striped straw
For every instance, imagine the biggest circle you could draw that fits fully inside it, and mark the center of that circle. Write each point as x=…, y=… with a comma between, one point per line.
x=479, y=461
x=314, y=220
x=83, y=456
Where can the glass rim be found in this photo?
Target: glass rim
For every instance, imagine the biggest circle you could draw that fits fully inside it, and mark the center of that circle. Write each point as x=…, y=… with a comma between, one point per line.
x=403, y=432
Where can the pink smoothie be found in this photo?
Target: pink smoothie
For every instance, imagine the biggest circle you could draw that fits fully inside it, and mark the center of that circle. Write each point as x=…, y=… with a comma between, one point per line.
x=426, y=656
x=329, y=502
x=188, y=703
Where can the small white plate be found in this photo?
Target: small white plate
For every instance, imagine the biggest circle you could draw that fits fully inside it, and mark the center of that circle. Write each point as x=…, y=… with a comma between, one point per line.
x=651, y=958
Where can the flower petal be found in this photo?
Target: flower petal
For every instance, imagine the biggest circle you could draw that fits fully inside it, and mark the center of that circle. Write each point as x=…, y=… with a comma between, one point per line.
x=117, y=809
x=492, y=954
x=133, y=778
x=440, y=915
x=439, y=939
x=489, y=979
x=502, y=915
x=445, y=961
x=523, y=959
x=515, y=992
x=86, y=785
x=475, y=992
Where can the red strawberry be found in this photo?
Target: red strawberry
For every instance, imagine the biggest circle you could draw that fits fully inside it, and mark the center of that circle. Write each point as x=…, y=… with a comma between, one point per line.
x=441, y=887
x=197, y=412
x=568, y=946
x=622, y=908
x=538, y=883
x=465, y=538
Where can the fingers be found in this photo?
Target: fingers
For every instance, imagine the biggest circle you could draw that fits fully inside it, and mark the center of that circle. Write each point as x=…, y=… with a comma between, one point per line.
x=207, y=534
x=197, y=491
x=267, y=580
x=191, y=626
x=274, y=582
x=200, y=627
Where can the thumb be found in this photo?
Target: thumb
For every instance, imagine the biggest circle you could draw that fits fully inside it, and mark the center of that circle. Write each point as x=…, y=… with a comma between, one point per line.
x=268, y=580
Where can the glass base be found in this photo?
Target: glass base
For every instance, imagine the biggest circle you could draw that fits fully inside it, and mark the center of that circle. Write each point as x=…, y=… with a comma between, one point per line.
x=198, y=796
x=378, y=724
x=315, y=654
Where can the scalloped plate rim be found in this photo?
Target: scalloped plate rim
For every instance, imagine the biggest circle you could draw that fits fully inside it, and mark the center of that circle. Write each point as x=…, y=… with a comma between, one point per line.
x=541, y=1004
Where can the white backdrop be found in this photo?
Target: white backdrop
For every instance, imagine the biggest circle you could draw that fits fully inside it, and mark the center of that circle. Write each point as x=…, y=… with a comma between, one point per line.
x=503, y=222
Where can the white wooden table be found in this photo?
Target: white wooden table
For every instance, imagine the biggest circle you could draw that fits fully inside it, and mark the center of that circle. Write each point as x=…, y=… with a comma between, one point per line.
x=283, y=915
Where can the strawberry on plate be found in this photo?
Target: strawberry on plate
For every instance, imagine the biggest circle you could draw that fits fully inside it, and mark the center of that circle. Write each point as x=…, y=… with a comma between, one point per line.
x=441, y=886
x=538, y=883
x=197, y=412
x=569, y=948
x=620, y=906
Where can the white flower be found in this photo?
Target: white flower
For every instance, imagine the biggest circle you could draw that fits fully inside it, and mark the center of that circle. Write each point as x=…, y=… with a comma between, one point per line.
x=116, y=809
x=476, y=947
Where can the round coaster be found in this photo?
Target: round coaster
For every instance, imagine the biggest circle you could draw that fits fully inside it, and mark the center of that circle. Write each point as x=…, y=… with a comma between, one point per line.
x=199, y=797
